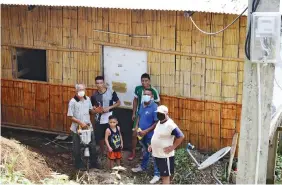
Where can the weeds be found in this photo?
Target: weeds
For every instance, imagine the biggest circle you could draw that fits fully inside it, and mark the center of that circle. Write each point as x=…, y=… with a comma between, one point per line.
x=279, y=168
x=10, y=176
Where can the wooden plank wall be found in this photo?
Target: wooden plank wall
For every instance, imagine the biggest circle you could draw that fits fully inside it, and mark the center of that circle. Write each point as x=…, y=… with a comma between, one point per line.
x=197, y=79
x=74, y=48
x=36, y=105
x=44, y=106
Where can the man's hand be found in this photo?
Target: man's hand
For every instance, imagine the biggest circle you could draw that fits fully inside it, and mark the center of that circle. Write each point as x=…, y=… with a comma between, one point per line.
x=83, y=125
x=168, y=149
x=110, y=149
x=142, y=133
x=106, y=109
x=98, y=110
x=133, y=116
x=121, y=145
x=149, y=148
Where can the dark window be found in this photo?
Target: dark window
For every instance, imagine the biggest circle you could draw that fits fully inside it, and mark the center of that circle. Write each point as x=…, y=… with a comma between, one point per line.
x=31, y=64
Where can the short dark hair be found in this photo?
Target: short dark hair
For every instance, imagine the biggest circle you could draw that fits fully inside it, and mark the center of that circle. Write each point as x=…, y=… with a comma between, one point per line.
x=99, y=78
x=112, y=117
x=148, y=89
x=145, y=75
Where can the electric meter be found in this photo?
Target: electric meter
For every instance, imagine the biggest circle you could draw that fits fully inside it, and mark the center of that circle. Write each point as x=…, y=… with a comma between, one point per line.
x=265, y=37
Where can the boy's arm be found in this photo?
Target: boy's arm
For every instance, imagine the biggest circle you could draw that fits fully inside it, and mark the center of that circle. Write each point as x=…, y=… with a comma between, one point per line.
x=107, y=134
x=156, y=96
x=135, y=102
x=137, y=123
x=115, y=99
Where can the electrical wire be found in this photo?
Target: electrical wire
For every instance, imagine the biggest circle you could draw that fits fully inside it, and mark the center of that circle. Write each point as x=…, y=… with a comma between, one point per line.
x=277, y=83
x=259, y=123
x=248, y=39
x=217, y=32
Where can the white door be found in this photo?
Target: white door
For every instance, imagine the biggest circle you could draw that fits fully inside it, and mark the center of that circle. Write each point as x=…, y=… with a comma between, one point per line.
x=122, y=71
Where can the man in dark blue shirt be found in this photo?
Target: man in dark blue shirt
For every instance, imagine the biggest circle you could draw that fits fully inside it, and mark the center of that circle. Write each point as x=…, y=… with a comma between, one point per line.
x=146, y=122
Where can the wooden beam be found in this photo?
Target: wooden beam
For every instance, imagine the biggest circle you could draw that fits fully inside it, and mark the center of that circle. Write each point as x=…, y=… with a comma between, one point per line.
x=252, y=161
x=232, y=153
x=271, y=162
x=8, y=125
x=129, y=47
x=275, y=122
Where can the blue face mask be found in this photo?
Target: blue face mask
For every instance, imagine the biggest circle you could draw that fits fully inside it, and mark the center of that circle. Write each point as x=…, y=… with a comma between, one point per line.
x=146, y=98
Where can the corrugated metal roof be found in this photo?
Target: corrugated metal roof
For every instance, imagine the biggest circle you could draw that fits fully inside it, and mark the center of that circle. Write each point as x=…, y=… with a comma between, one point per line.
x=215, y=6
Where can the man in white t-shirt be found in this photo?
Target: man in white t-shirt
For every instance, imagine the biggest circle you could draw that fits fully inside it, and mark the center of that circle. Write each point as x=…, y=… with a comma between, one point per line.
x=167, y=136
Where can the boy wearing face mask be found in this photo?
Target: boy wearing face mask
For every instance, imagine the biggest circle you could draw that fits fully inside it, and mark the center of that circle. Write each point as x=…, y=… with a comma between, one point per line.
x=146, y=121
x=79, y=112
x=137, y=102
x=167, y=136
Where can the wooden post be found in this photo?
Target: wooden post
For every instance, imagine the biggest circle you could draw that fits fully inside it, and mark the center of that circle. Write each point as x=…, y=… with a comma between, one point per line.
x=271, y=163
x=248, y=141
x=232, y=153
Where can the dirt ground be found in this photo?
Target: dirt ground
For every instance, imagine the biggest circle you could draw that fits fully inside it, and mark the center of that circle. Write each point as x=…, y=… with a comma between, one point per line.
x=57, y=158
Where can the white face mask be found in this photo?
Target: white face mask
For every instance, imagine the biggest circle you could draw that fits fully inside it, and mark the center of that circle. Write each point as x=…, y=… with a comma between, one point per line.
x=146, y=98
x=81, y=93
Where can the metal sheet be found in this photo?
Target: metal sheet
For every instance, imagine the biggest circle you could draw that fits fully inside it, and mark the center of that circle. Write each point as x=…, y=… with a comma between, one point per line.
x=122, y=70
x=215, y=6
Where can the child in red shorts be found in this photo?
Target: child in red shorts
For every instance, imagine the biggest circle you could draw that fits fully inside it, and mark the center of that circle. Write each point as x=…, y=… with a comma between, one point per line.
x=113, y=140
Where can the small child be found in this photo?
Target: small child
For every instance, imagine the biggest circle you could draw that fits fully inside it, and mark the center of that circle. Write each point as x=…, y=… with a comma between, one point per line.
x=113, y=141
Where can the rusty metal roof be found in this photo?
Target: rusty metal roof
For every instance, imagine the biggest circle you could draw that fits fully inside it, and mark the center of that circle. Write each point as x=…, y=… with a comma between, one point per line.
x=214, y=6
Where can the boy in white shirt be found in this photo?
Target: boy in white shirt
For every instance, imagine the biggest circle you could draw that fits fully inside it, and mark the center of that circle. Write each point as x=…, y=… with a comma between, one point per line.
x=167, y=136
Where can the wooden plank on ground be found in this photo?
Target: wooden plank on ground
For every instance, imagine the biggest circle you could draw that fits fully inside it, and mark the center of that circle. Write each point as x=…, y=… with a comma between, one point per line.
x=232, y=153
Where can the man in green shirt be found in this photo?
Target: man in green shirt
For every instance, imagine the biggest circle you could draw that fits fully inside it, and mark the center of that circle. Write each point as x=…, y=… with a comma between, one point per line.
x=137, y=102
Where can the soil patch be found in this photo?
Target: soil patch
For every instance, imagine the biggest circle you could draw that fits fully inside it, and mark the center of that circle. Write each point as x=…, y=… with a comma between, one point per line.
x=31, y=164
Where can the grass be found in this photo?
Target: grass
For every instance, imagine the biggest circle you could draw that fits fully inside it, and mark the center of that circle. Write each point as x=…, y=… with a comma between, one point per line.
x=279, y=169
x=10, y=176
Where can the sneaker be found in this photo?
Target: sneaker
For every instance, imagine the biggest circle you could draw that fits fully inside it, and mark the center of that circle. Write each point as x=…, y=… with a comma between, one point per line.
x=131, y=157
x=138, y=169
x=155, y=179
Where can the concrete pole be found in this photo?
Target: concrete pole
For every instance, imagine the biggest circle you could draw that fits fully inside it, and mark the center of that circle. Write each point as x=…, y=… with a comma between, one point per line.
x=248, y=140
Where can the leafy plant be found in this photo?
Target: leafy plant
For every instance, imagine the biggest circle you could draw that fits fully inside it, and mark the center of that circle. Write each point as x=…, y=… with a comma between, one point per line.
x=279, y=168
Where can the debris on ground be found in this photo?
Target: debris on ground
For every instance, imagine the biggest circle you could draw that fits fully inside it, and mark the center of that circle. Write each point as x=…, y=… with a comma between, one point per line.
x=18, y=158
x=47, y=159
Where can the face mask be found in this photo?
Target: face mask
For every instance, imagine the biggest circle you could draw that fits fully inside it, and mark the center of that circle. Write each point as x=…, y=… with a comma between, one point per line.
x=146, y=98
x=161, y=116
x=81, y=93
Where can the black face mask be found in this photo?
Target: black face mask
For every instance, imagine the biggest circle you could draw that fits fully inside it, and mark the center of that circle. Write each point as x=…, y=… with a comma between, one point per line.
x=161, y=116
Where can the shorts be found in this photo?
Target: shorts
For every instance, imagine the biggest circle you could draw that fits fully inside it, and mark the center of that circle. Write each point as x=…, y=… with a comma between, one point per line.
x=114, y=155
x=165, y=166
x=100, y=130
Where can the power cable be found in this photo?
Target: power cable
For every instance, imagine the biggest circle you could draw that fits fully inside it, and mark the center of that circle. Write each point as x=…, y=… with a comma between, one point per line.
x=277, y=83
x=217, y=32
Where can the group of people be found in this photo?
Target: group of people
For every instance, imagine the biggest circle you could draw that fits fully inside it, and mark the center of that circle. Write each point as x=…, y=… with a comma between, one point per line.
x=156, y=132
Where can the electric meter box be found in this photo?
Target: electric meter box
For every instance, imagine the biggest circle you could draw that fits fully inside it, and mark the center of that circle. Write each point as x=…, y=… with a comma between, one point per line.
x=265, y=37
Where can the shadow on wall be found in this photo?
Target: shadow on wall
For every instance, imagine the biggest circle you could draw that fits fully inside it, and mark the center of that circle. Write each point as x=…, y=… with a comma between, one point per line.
x=125, y=123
